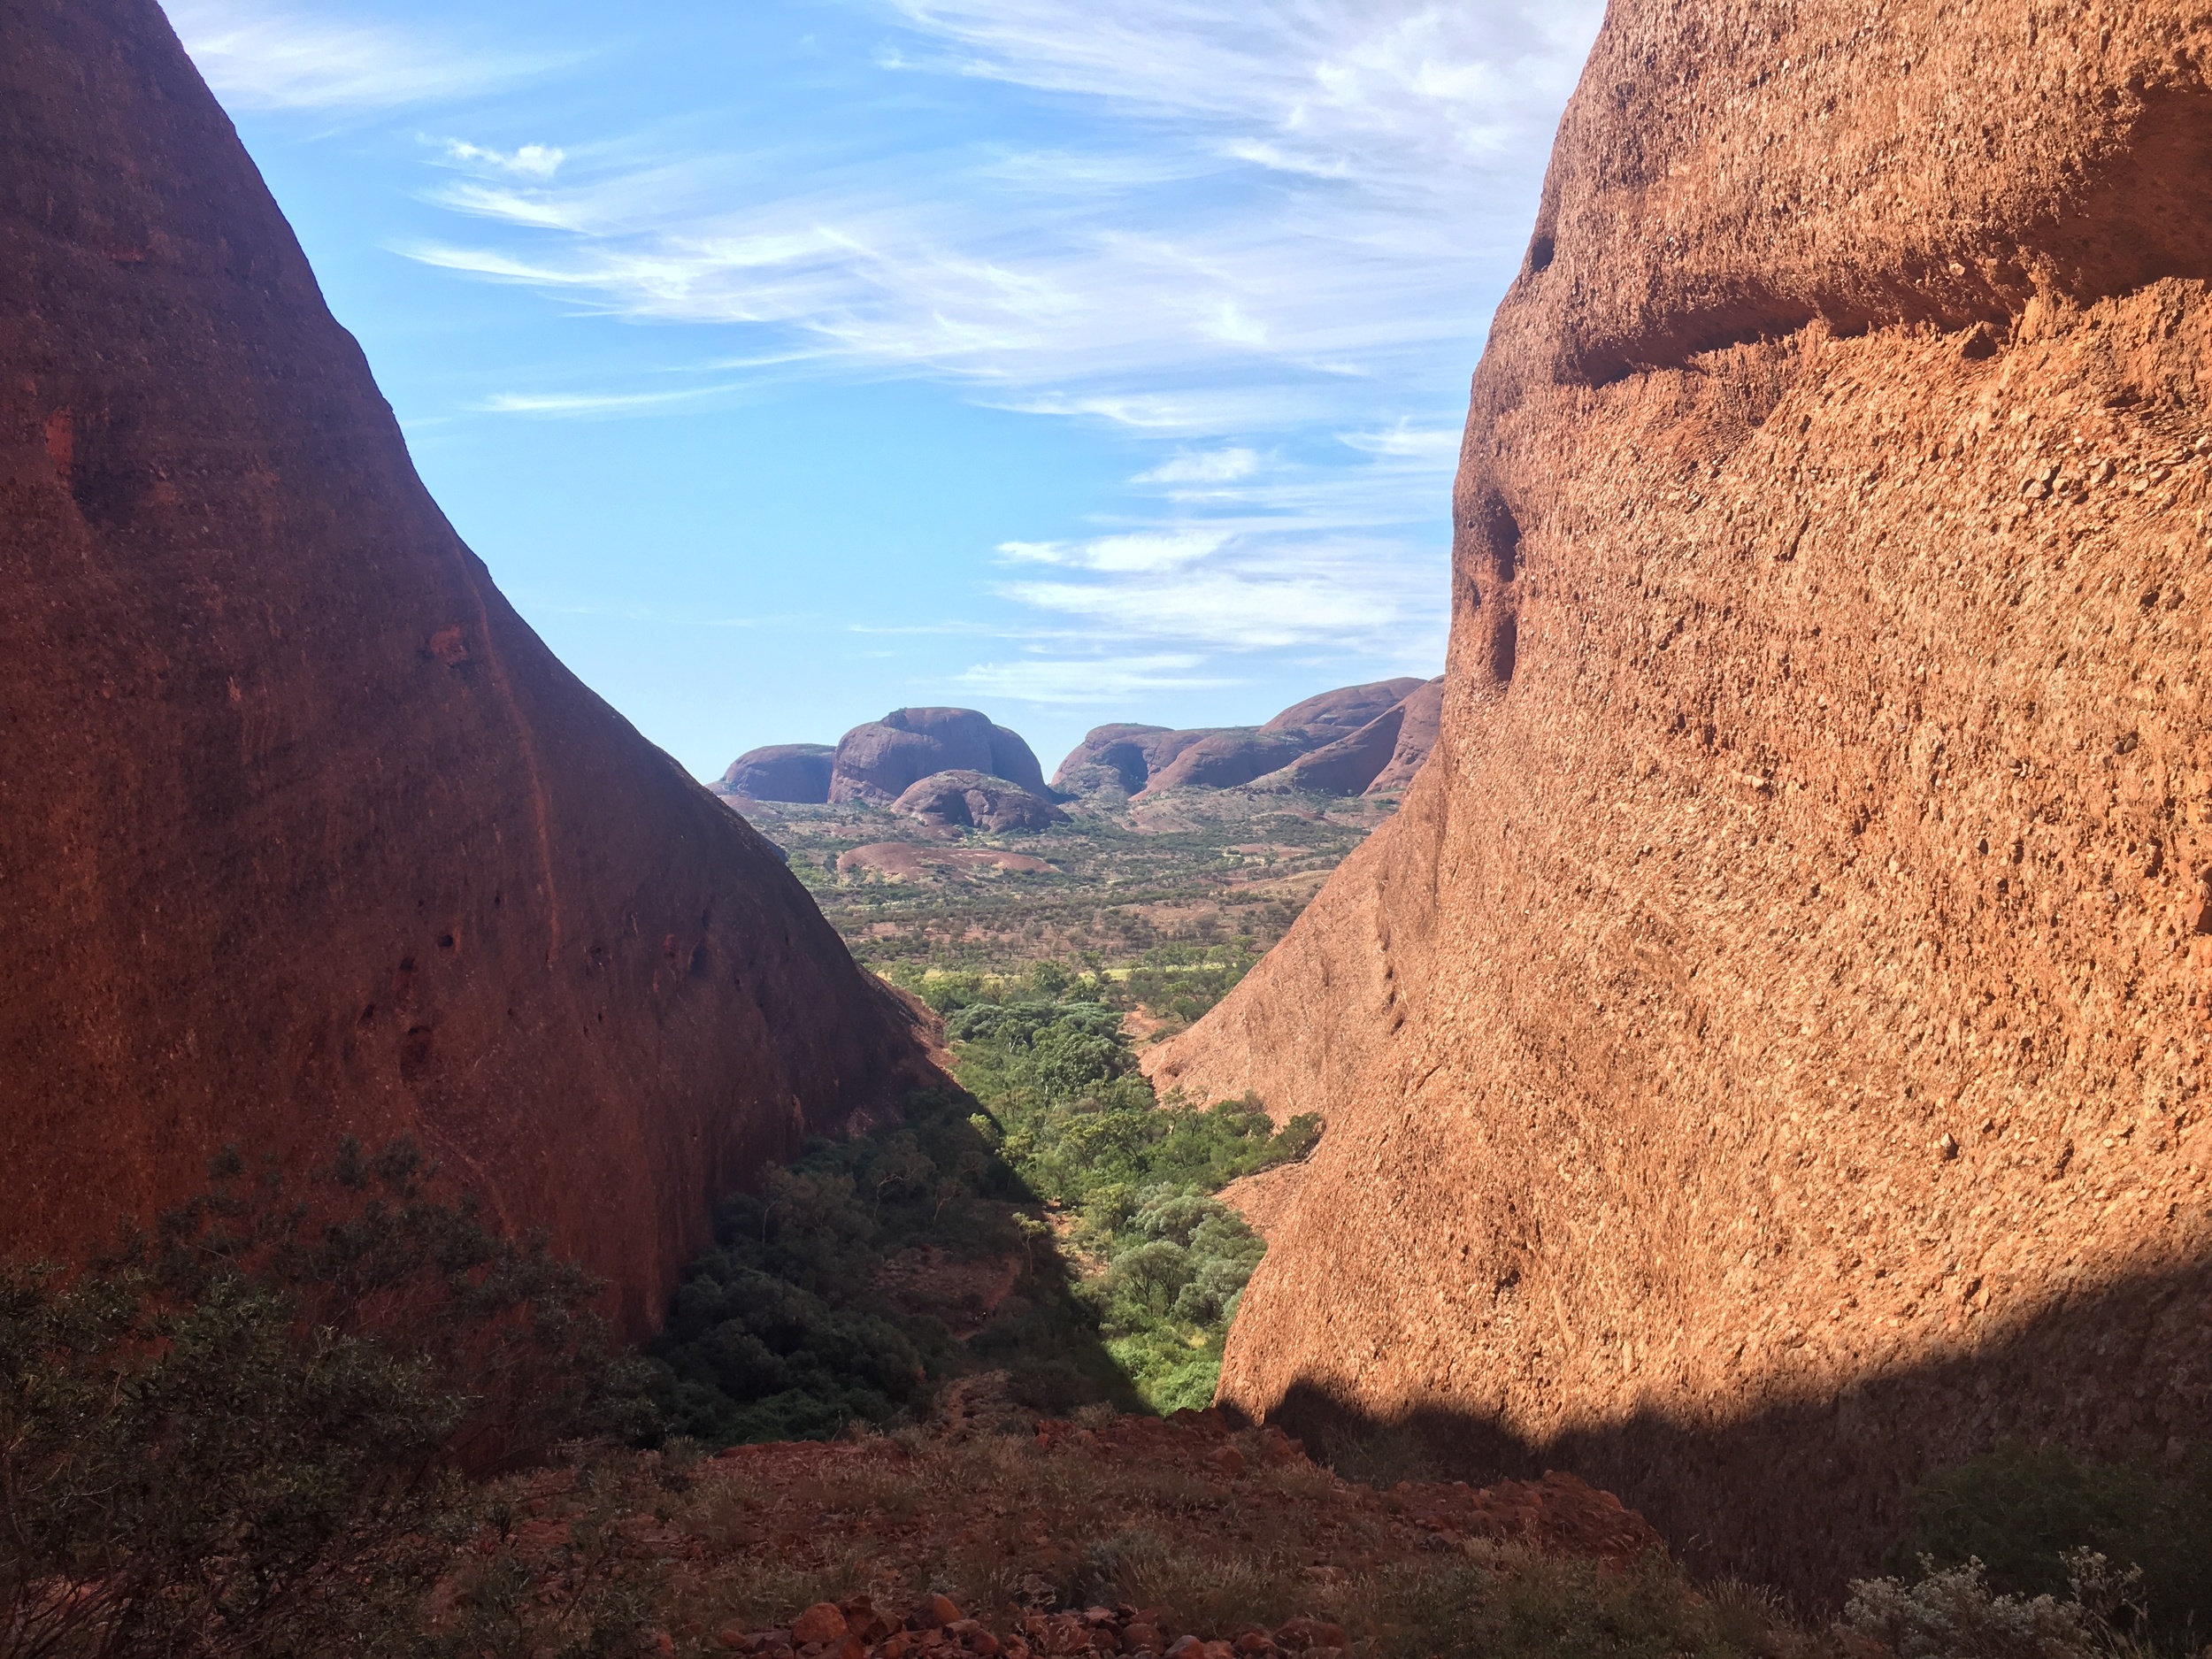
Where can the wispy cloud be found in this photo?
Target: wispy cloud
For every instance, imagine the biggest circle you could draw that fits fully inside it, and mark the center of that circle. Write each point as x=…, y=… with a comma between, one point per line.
x=1214, y=467
x=1089, y=678
x=1146, y=552
x=262, y=56
x=593, y=403
x=1257, y=238
x=529, y=161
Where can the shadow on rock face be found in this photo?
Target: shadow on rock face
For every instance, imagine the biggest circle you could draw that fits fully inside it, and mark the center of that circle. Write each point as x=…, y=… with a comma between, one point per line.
x=1807, y=1495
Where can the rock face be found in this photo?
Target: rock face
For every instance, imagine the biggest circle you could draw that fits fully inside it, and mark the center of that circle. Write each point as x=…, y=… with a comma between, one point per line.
x=303, y=833
x=1766, y=1055
x=1420, y=715
x=1120, y=757
x=798, y=772
x=975, y=801
x=1382, y=756
x=1346, y=710
x=1133, y=758
x=1222, y=760
x=880, y=761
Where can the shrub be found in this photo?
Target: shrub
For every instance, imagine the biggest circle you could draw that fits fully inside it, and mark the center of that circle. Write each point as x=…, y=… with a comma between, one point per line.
x=246, y=1432
x=2022, y=1512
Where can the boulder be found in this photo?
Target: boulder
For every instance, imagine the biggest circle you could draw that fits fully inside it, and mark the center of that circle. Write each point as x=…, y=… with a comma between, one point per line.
x=880, y=761
x=306, y=834
x=1346, y=710
x=1121, y=757
x=977, y=800
x=796, y=772
x=1765, y=1057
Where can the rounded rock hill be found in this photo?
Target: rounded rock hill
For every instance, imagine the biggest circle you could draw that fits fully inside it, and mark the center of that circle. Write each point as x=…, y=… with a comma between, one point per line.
x=880, y=761
x=307, y=835
x=1766, y=1057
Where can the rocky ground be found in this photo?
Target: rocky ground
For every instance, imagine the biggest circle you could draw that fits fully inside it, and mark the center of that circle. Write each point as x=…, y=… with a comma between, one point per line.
x=994, y=1535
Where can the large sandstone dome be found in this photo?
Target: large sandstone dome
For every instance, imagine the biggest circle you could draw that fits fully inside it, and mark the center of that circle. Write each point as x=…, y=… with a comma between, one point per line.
x=882, y=760
x=306, y=834
x=1766, y=1057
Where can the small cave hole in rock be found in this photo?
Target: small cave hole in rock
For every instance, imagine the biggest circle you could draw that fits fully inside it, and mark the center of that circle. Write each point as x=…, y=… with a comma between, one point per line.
x=1540, y=253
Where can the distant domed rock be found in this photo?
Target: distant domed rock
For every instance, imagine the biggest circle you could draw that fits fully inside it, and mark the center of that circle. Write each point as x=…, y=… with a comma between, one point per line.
x=1347, y=708
x=978, y=801
x=1121, y=757
x=880, y=761
x=798, y=772
x=1382, y=756
x=1222, y=760
x=1423, y=716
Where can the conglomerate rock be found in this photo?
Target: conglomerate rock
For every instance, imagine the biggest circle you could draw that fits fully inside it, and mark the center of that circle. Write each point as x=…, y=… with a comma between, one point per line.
x=1766, y=1056
x=1420, y=718
x=303, y=834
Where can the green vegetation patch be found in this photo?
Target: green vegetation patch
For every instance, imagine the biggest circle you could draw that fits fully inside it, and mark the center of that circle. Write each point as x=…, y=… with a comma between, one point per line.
x=2026, y=1515
x=249, y=1431
x=1054, y=1220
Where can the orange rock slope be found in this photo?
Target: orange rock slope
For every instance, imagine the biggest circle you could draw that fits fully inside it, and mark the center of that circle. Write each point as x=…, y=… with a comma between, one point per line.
x=1766, y=1057
x=302, y=832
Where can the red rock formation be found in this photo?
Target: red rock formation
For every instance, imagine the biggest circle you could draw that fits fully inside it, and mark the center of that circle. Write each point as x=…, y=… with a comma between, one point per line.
x=1380, y=756
x=880, y=761
x=1345, y=709
x=1421, y=717
x=303, y=834
x=1120, y=757
x=798, y=772
x=1133, y=758
x=1222, y=760
x=975, y=801
x=1766, y=1055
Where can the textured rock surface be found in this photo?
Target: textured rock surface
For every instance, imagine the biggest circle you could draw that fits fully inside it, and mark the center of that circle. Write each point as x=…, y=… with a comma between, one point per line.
x=302, y=833
x=1421, y=717
x=1347, y=708
x=974, y=800
x=797, y=772
x=1765, y=1057
x=880, y=761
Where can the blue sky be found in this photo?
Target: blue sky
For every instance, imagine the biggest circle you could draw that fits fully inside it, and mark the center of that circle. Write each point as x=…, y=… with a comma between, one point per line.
x=791, y=360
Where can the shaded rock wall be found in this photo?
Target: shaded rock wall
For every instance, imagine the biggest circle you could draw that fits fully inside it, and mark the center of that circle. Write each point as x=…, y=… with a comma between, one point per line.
x=1766, y=1056
x=302, y=832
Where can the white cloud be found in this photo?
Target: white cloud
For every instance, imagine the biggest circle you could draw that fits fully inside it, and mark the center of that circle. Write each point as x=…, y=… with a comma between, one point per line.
x=1145, y=551
x=530, y=161
x=1276, y=194
x=1262, y=592
x=1079, y=680
x=591, y=403
x=263, y=55
x=1405, y=440
x=1216, y=466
